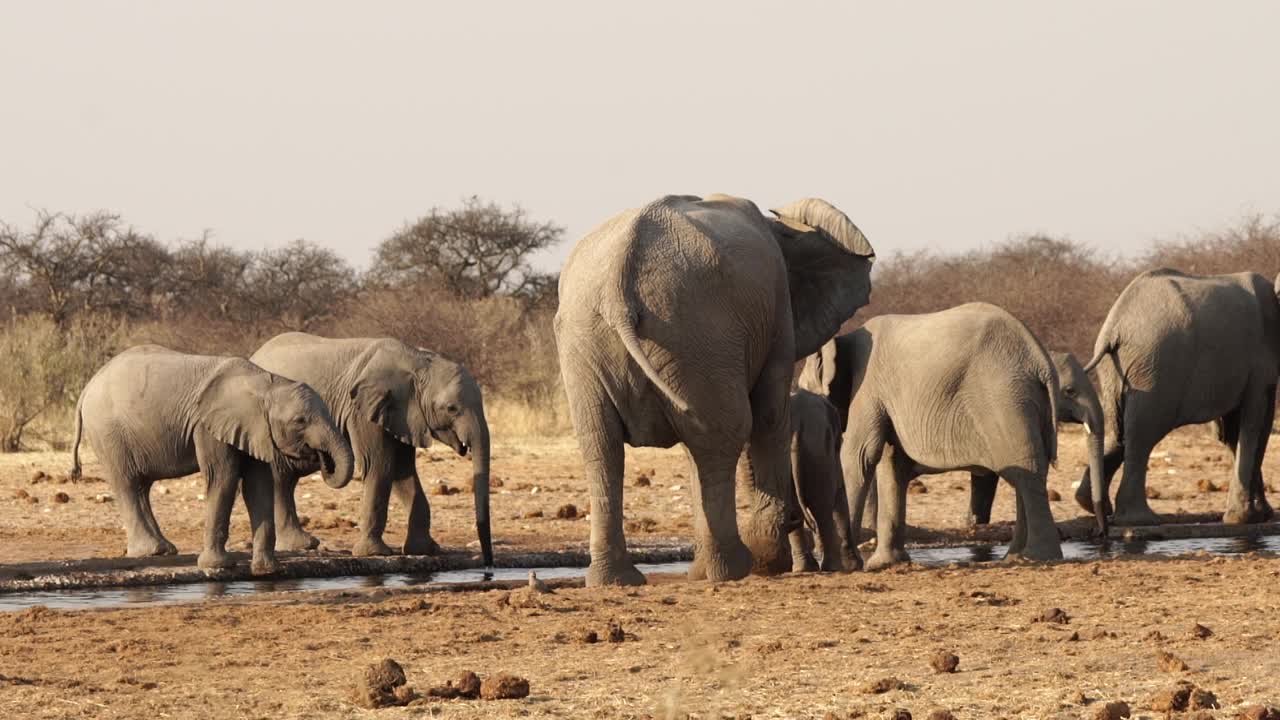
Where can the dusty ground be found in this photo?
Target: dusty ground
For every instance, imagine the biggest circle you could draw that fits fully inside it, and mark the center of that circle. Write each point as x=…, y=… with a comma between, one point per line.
x=797, y=646
x=792, y=647
x=537, y=477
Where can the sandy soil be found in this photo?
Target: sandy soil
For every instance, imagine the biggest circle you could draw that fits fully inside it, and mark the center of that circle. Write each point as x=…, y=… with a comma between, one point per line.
x=538, y=479
x=799, y=646
x=796, y=646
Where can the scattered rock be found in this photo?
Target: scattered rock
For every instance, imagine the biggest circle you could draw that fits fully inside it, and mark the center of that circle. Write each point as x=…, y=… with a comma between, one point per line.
x=61, y=498
x=103, y=498
x=504, y=687
x=443, y=489
x=1200, y=631
x=382, y=685
x=1170, y=663
x=1206, y=486
x=646, y=525
x=1111, y=711
x=1172, y=700
x=916, y=487
x=38, y=477
x=589, y=637
x=1073, y=637
x=568, y=511
x=1258, y=712
x=881, y=686
x=32, y=499
x=1054, y=495
x=1053, y=615
x=944, y=662
x=615, y=633
x=1101, y=634
x=643, y=481
x=1152, y=493
x=900, y=714
x=941, y=714
x=1154, y=636
x=532, y=514
x=21, y=494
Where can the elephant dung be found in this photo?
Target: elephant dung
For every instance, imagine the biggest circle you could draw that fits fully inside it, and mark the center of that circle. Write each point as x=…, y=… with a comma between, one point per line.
x=1054, y=495
x=1200, y=631
x=1053, y=615
x=568, y=511
x=642, y=481
x=615, y=633
x=917, y=487
x=504, y=687
x=61, y=498
x=38, y=477
x=941, y=714
x=1111, y=711
x=1170, y=663
x=467, y=685
x=1258, y=712
x=944, y=662
x=1172, y=700
x=382, y=685
x=883, y=685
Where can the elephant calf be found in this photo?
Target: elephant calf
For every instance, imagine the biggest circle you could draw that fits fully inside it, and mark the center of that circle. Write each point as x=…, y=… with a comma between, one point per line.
x=819, y=487
x=968, y=388
x=152, y=413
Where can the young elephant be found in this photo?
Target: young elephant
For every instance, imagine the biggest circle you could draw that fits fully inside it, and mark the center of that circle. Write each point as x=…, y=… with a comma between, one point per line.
x=152, y=413
x=1077, y=403
x=388, y=398
x=819, y=487
x=968, y=388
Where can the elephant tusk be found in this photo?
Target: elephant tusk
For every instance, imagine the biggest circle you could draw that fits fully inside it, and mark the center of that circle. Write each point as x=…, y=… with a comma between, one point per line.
x=1088, y=430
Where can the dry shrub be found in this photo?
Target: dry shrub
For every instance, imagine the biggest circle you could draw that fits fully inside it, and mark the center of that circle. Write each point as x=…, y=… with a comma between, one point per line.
x=45, y=368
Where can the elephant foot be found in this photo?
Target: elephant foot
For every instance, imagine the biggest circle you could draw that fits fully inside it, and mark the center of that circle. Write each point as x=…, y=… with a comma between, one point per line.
x=1135, y=517
x=852, y=561
x=421, y=546
x=883, y=558
x=616, y=572
x=804, y=563
x=731, y=563
x=1248, y=516
x=296, y=540
x=767, y=553
x=975, y=520
x=1262, y=511
x=150, y=547
x=367, y=547
x=264, y=566
x=214, y=560
x=1036, y=552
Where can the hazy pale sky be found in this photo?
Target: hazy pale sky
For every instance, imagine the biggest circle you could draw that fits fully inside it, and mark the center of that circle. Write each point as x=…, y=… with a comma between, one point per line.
x=944, y=124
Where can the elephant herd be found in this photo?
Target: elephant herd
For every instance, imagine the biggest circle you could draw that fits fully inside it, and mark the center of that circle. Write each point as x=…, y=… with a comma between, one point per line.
x=681, y=322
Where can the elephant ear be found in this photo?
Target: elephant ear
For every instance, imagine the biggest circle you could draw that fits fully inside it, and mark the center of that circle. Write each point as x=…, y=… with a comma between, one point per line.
x=828, y=268
x=378, y=397
x=232, y=407
x=820, y=370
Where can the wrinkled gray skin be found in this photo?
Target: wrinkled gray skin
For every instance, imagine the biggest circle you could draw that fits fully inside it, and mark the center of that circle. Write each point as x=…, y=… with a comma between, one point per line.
x=681, y=322
x=151, y=413
x=1077, y=403
x=968, y=388
x=819, y=487
x=1180, y=349
x=388, y=398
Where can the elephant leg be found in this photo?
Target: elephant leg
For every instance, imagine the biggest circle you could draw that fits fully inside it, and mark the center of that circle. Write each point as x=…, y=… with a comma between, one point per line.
x=1259, y=509
x=408, y=490
x=289, y=533
x=1038, y=531
x=142, y=537
x=892, y=476
x=718, y=551
x=982, y=495
x=1254, y=429
x=599, y=431
x=1018, y=543
x=221, y=470
x=149, y=515
x=832, y=541
x=380, y=473
x=861, y=451
x=259, y=498
x=768, y=484
x=1141, y=437
x=847, y=546
x=802, y=559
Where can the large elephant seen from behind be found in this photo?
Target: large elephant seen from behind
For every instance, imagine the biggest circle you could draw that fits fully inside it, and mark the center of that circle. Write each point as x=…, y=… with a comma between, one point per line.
x=151, y=413
x=681, y=322
x=389, y=399
x=1179, y=349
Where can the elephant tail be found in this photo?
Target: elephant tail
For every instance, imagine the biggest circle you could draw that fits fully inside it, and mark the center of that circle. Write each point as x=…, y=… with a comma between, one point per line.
x=75, y=471
x=1050, y=430
x=1105, y=349
x=624, y=324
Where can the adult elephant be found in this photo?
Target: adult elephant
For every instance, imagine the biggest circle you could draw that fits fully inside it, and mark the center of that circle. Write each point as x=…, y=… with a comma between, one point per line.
x=1179, y=349
x=1078, y=404
x=985, y=402
x=151, y=413
x=389, y=399
x=680, y=322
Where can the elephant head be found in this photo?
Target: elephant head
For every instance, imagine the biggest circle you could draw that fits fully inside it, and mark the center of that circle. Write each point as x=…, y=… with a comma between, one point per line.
x=828, y=268
x=264, y=415
x=415, y=395
x=1078, y=403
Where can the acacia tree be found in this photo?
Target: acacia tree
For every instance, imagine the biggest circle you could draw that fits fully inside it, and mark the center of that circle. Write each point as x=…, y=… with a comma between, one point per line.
x=297, y=286
x=93, y=262
x=476, y=251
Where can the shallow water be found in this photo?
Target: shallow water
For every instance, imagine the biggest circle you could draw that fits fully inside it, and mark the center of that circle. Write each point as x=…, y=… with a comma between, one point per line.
x=191, y=592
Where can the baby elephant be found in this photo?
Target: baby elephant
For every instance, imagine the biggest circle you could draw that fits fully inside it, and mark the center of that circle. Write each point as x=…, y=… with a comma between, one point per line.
x=819, y=484
x=152, y=413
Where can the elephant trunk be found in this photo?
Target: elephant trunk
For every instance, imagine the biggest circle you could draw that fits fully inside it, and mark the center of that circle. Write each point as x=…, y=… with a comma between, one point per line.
x=478, y=441
x=1095, y=432
x=337, y=462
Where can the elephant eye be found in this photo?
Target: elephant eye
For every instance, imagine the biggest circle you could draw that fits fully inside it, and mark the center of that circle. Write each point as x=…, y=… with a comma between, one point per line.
x=452, y=408
x=1069, y=391
x=300, y=420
